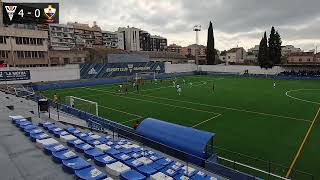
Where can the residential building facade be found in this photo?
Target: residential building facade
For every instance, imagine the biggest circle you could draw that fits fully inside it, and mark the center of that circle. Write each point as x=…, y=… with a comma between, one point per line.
x=303, y=58
x=61, y=37
x=158, y=43
x=61, y=57
x=236, y=55
x=174, y=48
x=86, y=36
x=145, y=41
x=110, y=39
x=23, y=47
x=288, y=49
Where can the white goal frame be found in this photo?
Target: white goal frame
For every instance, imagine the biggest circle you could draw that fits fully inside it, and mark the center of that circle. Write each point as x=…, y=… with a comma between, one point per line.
x=84, y=100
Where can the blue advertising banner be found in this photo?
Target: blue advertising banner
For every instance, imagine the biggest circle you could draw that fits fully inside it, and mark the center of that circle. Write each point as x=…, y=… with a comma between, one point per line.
x=15, y=75
x=88, y=71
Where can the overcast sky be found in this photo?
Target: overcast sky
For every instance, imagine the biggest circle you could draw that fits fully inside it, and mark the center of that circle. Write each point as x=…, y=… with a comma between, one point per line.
x=235, y=22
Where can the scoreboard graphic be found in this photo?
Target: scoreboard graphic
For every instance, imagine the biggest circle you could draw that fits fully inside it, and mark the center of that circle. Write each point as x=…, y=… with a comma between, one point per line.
x=30, y=13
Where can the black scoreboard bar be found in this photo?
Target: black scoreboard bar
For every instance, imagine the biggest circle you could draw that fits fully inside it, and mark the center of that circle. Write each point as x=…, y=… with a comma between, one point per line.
x=30, y=13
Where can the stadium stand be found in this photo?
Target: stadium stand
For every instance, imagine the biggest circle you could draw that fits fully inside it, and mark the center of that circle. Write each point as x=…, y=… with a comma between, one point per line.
x=81, y=153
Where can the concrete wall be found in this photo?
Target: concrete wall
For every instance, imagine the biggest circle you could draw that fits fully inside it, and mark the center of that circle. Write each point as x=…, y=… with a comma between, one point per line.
x=177, y=68
x=38, y=74
x=173, y=68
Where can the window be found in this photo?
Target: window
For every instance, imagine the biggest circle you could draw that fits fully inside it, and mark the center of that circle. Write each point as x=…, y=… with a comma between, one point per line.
x=3, y=40
x=308, y=59
x=41, y=54
x=300, y=60
x=3, y=54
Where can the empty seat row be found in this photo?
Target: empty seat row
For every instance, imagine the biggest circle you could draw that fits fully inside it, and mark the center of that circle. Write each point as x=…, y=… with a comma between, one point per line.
x=121, y=159
x=71, y=162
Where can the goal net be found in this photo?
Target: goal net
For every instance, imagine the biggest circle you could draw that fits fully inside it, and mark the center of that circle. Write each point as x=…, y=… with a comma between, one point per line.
x=83, y=104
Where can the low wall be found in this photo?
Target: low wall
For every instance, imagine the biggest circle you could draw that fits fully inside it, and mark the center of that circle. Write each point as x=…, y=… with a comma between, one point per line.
x=240, y=68
x=178, y=68
x=45, y=74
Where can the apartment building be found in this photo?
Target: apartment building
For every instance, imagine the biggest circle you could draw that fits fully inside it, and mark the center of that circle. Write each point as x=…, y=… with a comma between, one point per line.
x=86, y=36
x=110, y=39
x=61, y=37
x=158, y=43
x=23, y=47
x=174, y=48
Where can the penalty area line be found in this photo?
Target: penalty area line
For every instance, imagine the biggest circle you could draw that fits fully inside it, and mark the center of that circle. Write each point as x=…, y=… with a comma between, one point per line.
x=206, y=120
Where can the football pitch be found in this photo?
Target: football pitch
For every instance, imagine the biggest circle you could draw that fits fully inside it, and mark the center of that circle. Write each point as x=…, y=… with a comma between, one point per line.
x=267, y=127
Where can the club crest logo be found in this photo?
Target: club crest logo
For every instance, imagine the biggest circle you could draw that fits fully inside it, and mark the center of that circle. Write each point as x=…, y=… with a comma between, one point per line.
x=11, y=10
x=158, y=68
x=50, y=11
x=130, y=67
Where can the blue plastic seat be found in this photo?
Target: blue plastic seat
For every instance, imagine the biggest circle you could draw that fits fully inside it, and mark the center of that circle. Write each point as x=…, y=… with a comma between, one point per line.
x=155, y=157
x=72, y=143
x=70, y=129
x=157, y=166
x=59, y=156
x=55, y=130
x=86, y=138
x=169, y=172
x=40, y=136
x=45, y=124
x=71, y=165
x=103, y=160
x=29, y=127
x=94, y=142
x=53, y=148
x=132, y=175
x=90, y=173
x=165, y=162
x=16, y=118
x=122, y=157
x=23, y=124
x=112, y=152
x=20, y=121
x=33, y=131
x=180, y=176
x=199, y=176
x=147, y=170
x=135, y=155
x=51, y=127
x=91, y=153
x=82, y=147
x=133, y=163
x=57, y=134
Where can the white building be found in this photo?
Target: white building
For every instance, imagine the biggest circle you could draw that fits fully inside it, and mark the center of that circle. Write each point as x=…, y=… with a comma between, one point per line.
x=131, y=38
x=288, y=49
x=254, y=50
x=236, y=55
x=61, y=37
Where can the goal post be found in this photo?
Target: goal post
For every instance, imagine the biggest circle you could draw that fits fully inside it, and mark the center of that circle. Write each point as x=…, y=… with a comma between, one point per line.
x=82, y=104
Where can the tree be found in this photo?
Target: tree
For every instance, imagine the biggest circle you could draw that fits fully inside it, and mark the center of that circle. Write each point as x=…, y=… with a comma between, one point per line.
x=210, y=54
x=278, y=43
x=263, y=56
x=272, y=46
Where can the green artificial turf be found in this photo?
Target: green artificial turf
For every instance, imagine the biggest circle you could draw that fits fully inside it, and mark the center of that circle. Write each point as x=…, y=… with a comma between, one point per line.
x=251, y=117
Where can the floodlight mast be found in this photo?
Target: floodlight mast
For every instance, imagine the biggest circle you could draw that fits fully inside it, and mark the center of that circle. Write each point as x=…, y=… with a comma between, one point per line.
x=197, y=29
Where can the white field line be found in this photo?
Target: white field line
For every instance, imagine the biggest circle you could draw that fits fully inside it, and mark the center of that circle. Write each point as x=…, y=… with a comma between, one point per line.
x=295, y=90
x=229, y=108
x=253, y=168
x=207, y=120
x=170, y=105
x=221, y=107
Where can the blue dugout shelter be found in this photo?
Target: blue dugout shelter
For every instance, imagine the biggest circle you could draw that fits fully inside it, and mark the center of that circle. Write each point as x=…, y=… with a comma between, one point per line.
x=195, y=145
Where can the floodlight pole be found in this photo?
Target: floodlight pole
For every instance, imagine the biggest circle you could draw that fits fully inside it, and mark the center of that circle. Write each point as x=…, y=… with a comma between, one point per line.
x=197, y=29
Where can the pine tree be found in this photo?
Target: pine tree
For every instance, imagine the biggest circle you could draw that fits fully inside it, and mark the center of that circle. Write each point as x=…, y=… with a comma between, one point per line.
x=272, y=46
x=263, y=56
x=210, y=54
x=278, y=43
